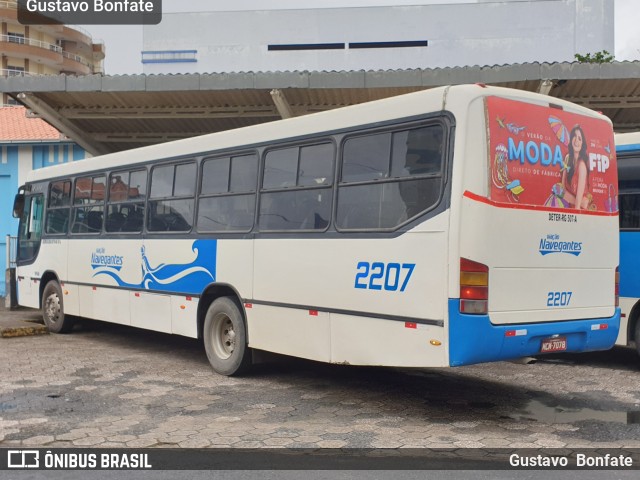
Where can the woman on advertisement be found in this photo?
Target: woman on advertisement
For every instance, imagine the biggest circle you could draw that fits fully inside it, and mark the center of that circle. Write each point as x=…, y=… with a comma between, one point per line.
x=575, y=175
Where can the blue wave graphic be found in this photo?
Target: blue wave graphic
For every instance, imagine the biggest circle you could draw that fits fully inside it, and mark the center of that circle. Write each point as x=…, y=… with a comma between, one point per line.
x=188, y=278
x=570, y=252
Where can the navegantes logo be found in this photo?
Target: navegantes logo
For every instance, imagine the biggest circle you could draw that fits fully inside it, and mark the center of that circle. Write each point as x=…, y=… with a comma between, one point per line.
x=553, y=244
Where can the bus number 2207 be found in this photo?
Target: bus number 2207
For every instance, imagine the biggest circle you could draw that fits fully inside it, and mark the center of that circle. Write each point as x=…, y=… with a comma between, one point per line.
x=558, y=299
x=388, y=276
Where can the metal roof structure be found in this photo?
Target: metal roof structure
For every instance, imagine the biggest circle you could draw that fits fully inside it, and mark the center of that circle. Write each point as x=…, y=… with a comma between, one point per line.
x=113, y=113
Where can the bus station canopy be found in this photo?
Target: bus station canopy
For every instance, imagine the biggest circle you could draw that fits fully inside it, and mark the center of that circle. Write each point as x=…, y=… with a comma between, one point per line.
x=112, y=113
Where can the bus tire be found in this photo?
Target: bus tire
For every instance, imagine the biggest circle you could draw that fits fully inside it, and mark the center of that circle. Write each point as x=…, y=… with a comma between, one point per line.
x=53, y=309
x=637, y=336
x=225, y=338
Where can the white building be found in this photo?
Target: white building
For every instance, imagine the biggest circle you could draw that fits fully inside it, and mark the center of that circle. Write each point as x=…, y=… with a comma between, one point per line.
x=378, y=38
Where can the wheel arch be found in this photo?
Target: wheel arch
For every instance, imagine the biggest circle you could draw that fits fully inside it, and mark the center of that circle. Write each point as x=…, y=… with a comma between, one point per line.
x=46, y=278
x=633, y=319
x=212, y=292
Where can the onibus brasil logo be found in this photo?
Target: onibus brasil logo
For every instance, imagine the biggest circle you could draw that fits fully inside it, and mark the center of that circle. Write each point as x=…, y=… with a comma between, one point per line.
x=553, y=244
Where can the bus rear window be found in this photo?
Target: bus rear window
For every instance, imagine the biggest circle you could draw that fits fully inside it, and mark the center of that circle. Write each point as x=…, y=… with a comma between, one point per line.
x=550, y=157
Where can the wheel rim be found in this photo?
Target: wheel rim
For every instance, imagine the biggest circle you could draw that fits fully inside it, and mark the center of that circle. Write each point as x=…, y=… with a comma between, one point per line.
x=52, y=308
x=224, y=336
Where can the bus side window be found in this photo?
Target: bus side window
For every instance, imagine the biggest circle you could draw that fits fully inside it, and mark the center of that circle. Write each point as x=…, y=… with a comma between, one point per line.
x=171, y=204
x=58, y=207
x=297, y=189
x=404, y=178
x=135, y=218
x=125, y=204
x=88, y=204
x=629, y=210
x=366, y=158
x=227, y=195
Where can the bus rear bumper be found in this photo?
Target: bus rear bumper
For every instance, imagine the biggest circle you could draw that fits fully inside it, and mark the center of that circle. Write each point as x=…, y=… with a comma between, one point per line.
x=474, y=339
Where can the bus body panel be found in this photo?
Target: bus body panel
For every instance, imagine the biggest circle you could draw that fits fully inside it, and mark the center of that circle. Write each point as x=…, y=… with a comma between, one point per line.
x=151, y=311
x=629, y=265
x=71, y=292
x=235, y=265
x=371, y=341
x=100, y=303
x=628, y=150
x=28, y=293
x=184, y=309
x=290, y=331
x=469, y=336
x=401, y=276
x=626, y=307
x=52, y=258
x=524, y=279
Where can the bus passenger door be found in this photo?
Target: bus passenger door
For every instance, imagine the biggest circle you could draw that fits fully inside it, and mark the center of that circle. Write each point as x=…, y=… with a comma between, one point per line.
x=29, y=238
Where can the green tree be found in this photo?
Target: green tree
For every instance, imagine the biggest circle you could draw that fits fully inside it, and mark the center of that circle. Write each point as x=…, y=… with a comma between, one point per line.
x=598, y=57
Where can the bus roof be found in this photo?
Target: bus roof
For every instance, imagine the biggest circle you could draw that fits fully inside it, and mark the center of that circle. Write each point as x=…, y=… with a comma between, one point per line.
x=403, y=106
x=627, y=142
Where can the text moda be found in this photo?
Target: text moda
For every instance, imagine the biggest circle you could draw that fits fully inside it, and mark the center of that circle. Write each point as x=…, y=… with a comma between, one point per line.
x=98, y=6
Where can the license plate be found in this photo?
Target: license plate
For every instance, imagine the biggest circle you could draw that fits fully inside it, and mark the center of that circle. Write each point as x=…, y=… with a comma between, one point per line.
x=556, y=344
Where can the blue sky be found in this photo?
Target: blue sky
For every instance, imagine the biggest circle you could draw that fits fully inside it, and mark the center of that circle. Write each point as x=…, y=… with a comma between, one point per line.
x=124, y=43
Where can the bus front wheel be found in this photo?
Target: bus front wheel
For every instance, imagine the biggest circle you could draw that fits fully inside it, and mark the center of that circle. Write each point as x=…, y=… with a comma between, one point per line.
x=225, y=338
x=53, y=309
x=637, y=336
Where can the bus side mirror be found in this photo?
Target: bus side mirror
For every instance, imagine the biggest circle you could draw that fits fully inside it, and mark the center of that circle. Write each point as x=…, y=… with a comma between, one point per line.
x=18, y=205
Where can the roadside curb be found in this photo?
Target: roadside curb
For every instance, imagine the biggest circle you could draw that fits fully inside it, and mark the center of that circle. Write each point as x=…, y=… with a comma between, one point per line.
x=22, y=329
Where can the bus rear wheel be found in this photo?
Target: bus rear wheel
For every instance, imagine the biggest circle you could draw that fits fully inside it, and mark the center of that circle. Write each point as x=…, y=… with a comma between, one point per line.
x=225, y=338
x=53, y=309
x=637, y=337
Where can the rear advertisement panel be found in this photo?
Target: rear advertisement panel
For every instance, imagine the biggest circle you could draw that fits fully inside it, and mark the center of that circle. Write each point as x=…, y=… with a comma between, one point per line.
x=547, y=157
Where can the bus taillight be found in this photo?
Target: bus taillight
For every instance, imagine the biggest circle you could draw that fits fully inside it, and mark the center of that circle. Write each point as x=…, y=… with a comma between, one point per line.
x=617, y=287
x=474, y=287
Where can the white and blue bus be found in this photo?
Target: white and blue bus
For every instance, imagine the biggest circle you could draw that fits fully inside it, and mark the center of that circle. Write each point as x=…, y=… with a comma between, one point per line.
x=425, y=230
x=628, y=153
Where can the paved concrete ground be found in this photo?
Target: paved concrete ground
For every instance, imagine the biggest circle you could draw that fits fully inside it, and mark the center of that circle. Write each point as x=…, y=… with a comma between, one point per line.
x=113, y=386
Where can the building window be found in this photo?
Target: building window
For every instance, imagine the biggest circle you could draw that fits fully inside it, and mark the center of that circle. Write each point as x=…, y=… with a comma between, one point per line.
x=305, y=46
x=15, y=37
x=169, y=56
x=341, y=46
x=15, y=71
x=403, y=44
